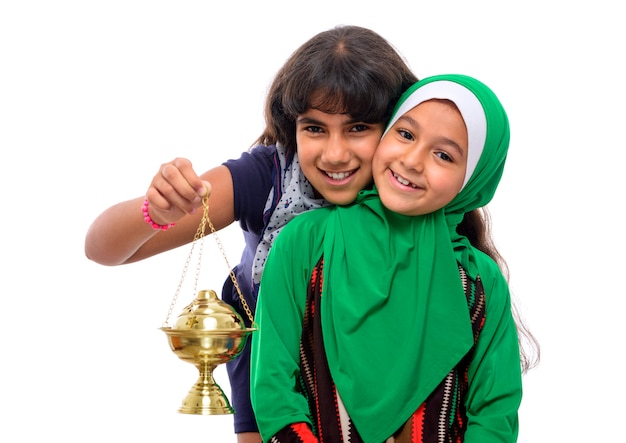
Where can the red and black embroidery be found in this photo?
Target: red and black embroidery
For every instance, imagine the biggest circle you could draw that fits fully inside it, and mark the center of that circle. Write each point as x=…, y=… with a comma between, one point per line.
x=441, y=418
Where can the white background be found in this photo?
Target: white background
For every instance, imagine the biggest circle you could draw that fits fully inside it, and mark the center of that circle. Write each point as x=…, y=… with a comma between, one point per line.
x=95, y=95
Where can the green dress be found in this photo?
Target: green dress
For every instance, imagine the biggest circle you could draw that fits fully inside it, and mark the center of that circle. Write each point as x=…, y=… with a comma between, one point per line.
x=394, y=316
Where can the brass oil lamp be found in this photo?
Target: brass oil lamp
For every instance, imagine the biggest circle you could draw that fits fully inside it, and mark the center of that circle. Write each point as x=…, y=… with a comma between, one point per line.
x=207, y=333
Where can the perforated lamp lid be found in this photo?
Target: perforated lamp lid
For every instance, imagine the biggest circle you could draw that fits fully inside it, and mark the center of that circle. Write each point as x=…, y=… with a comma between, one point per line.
x=207, y=312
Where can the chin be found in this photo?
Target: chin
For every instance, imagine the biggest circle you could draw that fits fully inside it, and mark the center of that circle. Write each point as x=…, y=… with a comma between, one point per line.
x=395, y=206
x=341, y=200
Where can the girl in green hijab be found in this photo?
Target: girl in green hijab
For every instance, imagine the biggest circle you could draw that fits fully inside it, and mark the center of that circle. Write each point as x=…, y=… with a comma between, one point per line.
x=385, y=322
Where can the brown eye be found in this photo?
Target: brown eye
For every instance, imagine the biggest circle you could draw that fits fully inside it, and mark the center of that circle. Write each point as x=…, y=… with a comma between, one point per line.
x=314, y=129
x=405, y=134
x=359, y=128
x=444, y=156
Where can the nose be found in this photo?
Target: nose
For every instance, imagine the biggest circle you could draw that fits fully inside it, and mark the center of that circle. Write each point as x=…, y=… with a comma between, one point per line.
x=336, y=150
x=414, y=158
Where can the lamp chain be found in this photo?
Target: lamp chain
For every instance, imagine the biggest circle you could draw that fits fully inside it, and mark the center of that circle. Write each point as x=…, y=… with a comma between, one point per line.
x=200, y=233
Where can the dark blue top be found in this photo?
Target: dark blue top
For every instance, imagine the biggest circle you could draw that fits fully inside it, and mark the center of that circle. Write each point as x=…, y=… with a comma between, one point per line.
x=254, y=174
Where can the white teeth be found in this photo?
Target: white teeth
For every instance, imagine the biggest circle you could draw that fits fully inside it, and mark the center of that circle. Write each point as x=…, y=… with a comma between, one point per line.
x=404, y=181
x=338, y=175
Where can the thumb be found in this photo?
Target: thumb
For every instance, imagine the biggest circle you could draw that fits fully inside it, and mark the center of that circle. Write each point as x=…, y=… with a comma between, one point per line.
x=206, y=189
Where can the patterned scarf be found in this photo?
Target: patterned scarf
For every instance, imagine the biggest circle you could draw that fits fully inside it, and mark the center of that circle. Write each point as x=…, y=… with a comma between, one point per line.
x=296, y=195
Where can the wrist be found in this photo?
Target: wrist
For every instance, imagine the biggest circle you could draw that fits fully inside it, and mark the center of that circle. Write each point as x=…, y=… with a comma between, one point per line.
x=148, y=219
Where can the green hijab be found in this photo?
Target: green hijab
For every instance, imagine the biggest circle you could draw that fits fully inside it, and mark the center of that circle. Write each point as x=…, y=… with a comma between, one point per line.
x=394, y=315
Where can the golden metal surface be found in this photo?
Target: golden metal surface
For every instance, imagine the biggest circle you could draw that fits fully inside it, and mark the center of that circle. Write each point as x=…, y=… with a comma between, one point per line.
x=207, y=333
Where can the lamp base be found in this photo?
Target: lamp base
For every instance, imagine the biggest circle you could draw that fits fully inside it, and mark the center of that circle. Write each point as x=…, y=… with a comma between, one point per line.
x=206, y=398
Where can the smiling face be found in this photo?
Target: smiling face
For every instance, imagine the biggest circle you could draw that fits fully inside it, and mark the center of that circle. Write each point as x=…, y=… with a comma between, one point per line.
x=420, y=163
x=335, y=153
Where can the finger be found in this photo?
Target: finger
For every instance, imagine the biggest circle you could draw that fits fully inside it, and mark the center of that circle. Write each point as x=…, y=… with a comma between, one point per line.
x=189, y=174
x=161, y=208
x=170, y=190
x=176, y=189
x=206, y=189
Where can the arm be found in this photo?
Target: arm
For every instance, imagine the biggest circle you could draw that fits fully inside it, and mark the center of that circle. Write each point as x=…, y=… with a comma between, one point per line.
x=120, y=235
x=495, y=385
x=280, y=408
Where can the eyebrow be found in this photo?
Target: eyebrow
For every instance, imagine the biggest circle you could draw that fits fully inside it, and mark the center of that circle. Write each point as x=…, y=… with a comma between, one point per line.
x=313, y=121
x=308, y=121
x=444, y=140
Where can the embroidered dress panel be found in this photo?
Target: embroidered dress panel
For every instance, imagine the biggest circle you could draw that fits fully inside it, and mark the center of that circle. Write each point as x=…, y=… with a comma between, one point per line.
x=440, y=419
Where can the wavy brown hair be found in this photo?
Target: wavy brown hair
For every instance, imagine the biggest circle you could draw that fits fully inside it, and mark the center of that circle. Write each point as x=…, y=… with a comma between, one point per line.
x=476, y=226
x=344, y=70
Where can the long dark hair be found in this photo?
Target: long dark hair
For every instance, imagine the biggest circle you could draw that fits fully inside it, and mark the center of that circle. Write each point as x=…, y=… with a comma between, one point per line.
x=347, y=69
x=476, y=226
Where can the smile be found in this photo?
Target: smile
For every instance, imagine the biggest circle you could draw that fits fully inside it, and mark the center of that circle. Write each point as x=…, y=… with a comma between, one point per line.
x=339, y=175
x=403, y=180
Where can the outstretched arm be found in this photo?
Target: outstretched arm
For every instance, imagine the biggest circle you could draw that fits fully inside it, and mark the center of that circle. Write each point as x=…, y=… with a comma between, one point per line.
x=120, y=235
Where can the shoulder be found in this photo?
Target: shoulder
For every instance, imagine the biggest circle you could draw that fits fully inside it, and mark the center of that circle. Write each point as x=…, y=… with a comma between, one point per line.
x=305, y=233
x=252, y=178
x=495, y=285
x=310, y=221
x=257, y=157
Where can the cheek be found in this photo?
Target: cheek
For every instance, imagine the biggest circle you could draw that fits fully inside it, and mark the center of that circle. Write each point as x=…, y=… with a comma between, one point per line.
x=306, y=148
x=458, y=180
x=381, y=153
x=306, y=157
x=449, y=186
x=366, y=147
x=301, y=142
x=378, y=162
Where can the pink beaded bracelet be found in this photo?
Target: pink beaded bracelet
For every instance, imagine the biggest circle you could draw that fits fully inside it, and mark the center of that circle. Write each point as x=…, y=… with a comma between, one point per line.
x=151, y=222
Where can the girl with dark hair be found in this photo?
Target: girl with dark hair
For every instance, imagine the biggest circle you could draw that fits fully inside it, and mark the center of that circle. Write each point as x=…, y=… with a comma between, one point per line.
x=325, y=112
